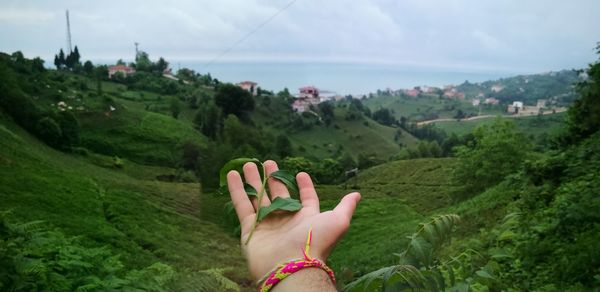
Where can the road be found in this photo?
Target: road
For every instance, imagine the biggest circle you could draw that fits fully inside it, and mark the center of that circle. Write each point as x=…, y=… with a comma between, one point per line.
x=558, y=110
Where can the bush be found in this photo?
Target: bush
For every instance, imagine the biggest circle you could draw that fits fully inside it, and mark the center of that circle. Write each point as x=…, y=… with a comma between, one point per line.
x=35, y=259
x=48, y=130
x=70, y=128
x=499, y=149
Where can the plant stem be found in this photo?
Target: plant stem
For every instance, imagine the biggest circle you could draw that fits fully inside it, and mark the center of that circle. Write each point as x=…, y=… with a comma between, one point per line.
x=259, y=199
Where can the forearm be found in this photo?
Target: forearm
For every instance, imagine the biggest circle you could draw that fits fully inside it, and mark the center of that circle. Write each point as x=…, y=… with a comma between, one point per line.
x=310, y=279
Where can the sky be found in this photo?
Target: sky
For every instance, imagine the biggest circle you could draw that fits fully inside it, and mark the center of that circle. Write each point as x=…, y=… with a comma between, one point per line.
x=459, y=35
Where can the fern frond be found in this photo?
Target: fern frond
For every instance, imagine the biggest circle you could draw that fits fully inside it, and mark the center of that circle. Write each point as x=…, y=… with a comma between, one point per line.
x=428, y=239
x=225, y=283
x=390, y=279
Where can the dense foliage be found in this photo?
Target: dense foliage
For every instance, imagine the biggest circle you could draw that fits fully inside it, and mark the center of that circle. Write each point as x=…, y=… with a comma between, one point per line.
x=547, y=239
x=495, y=152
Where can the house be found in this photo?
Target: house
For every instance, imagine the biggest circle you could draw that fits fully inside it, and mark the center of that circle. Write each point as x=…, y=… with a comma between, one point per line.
x=308, y=95
x=541, y=103
x=325, y=95
x=491, y=100
x=454, y=93
x=309, y=92
x=412, y=92
x=497, y=88
x=476, y=102
x=515, y=107
x=125, y=70
x=249, y=86
x=299, y=106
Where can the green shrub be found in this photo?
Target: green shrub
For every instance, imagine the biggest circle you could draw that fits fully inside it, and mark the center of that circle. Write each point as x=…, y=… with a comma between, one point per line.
x=34, y=258
x=48, y=130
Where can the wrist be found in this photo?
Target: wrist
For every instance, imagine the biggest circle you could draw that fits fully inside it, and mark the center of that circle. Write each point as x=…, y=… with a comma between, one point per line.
x=309, y=279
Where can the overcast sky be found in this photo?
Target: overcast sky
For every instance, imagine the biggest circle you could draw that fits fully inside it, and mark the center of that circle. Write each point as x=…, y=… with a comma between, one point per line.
x=519, y=35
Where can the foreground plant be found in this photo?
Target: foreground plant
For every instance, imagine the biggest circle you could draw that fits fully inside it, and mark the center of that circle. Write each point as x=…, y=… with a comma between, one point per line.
x=286, y=204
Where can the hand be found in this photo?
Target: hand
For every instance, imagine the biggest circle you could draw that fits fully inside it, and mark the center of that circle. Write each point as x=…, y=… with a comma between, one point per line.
x=281, y=236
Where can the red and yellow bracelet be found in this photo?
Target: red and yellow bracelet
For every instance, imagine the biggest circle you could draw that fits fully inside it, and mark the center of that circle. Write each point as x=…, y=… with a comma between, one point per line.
x=282, y=271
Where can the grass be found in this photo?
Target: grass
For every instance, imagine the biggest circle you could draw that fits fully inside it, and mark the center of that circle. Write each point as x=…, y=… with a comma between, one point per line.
x=146, y=220
x=320, y=141
x=535, y=125
x=143, y=220
x=396, y=196
x=422, y=108
x=142, y=136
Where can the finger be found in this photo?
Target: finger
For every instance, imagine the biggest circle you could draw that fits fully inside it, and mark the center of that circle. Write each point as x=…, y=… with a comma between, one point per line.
x=276, y=187
x=253, y=178
x=241, y=203
x=308, y=195
x=347, y=205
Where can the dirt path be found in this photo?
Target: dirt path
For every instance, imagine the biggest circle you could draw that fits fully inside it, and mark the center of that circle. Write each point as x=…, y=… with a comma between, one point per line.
x=558, y=110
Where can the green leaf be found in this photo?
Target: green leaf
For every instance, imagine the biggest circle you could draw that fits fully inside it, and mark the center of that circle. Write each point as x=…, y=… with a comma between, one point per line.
x=287, y=178
x=234, y=164
x=484, y=274
x=285, y=204
x=250, y=190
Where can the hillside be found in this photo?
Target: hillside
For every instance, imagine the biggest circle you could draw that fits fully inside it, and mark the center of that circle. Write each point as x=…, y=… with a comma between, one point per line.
x=426, y=107
x=396, y=197
x=534, y=126
x=120, y=173
x=142, y=220
x=557, y=88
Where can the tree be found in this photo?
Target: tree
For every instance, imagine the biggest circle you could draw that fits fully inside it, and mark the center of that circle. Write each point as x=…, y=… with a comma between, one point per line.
x=233, y=131
x=48, y=130
x=61, y=58
x=326, y=109
x=142, y=62
x=384, y=117
x=175, y=107
x=283, y=146
x=449, y=143
x=233, y=99
x=207, y=120
x=88, y=67
x=584, y=114
x=190, y=156
x=161, y=65
x=70, y=128
x=329, y=171
x=37, y=65
x=434, y=149
x=499, y=150
x=459, y=115
x=423, y=148
x=285, y=93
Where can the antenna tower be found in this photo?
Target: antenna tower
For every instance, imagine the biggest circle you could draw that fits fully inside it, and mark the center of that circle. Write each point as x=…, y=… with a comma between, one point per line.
x=137, y=52
x=69, y=34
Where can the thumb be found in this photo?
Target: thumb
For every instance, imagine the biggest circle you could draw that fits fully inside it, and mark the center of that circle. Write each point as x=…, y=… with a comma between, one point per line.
x=347, y=205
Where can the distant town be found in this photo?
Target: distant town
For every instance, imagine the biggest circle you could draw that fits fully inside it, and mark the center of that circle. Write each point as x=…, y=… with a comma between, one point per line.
x=310, y=95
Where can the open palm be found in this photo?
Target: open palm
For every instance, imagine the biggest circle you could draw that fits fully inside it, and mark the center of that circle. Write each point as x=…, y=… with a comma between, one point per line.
x=281, y=236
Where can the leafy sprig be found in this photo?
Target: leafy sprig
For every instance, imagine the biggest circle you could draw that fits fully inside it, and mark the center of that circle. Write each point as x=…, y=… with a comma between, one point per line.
x=287, y=204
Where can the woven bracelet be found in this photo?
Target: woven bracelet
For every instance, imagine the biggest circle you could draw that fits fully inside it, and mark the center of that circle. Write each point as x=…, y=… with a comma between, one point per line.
x=282, y=271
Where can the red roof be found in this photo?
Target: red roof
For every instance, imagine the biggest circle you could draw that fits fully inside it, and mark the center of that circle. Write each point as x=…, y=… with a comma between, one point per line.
x=308, y=88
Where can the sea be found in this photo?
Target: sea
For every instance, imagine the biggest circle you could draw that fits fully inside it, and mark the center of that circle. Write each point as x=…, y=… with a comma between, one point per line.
x=343, y=79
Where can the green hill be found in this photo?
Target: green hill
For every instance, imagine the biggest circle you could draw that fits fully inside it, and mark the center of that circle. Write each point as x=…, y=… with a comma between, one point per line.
x=396, y=197
x=533, y=126
x=123, y=208
x=144, y=221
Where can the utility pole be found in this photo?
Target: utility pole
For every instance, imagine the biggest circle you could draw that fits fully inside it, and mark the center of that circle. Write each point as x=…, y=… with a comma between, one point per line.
x=69, y=47
x=137, y=52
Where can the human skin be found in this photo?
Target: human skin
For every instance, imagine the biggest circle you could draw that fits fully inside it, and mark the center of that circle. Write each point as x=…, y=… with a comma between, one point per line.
x=281, y=236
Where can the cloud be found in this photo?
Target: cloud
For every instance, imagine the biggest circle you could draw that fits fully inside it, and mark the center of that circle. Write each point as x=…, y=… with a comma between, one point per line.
x=466, y=35
x=19, y=17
